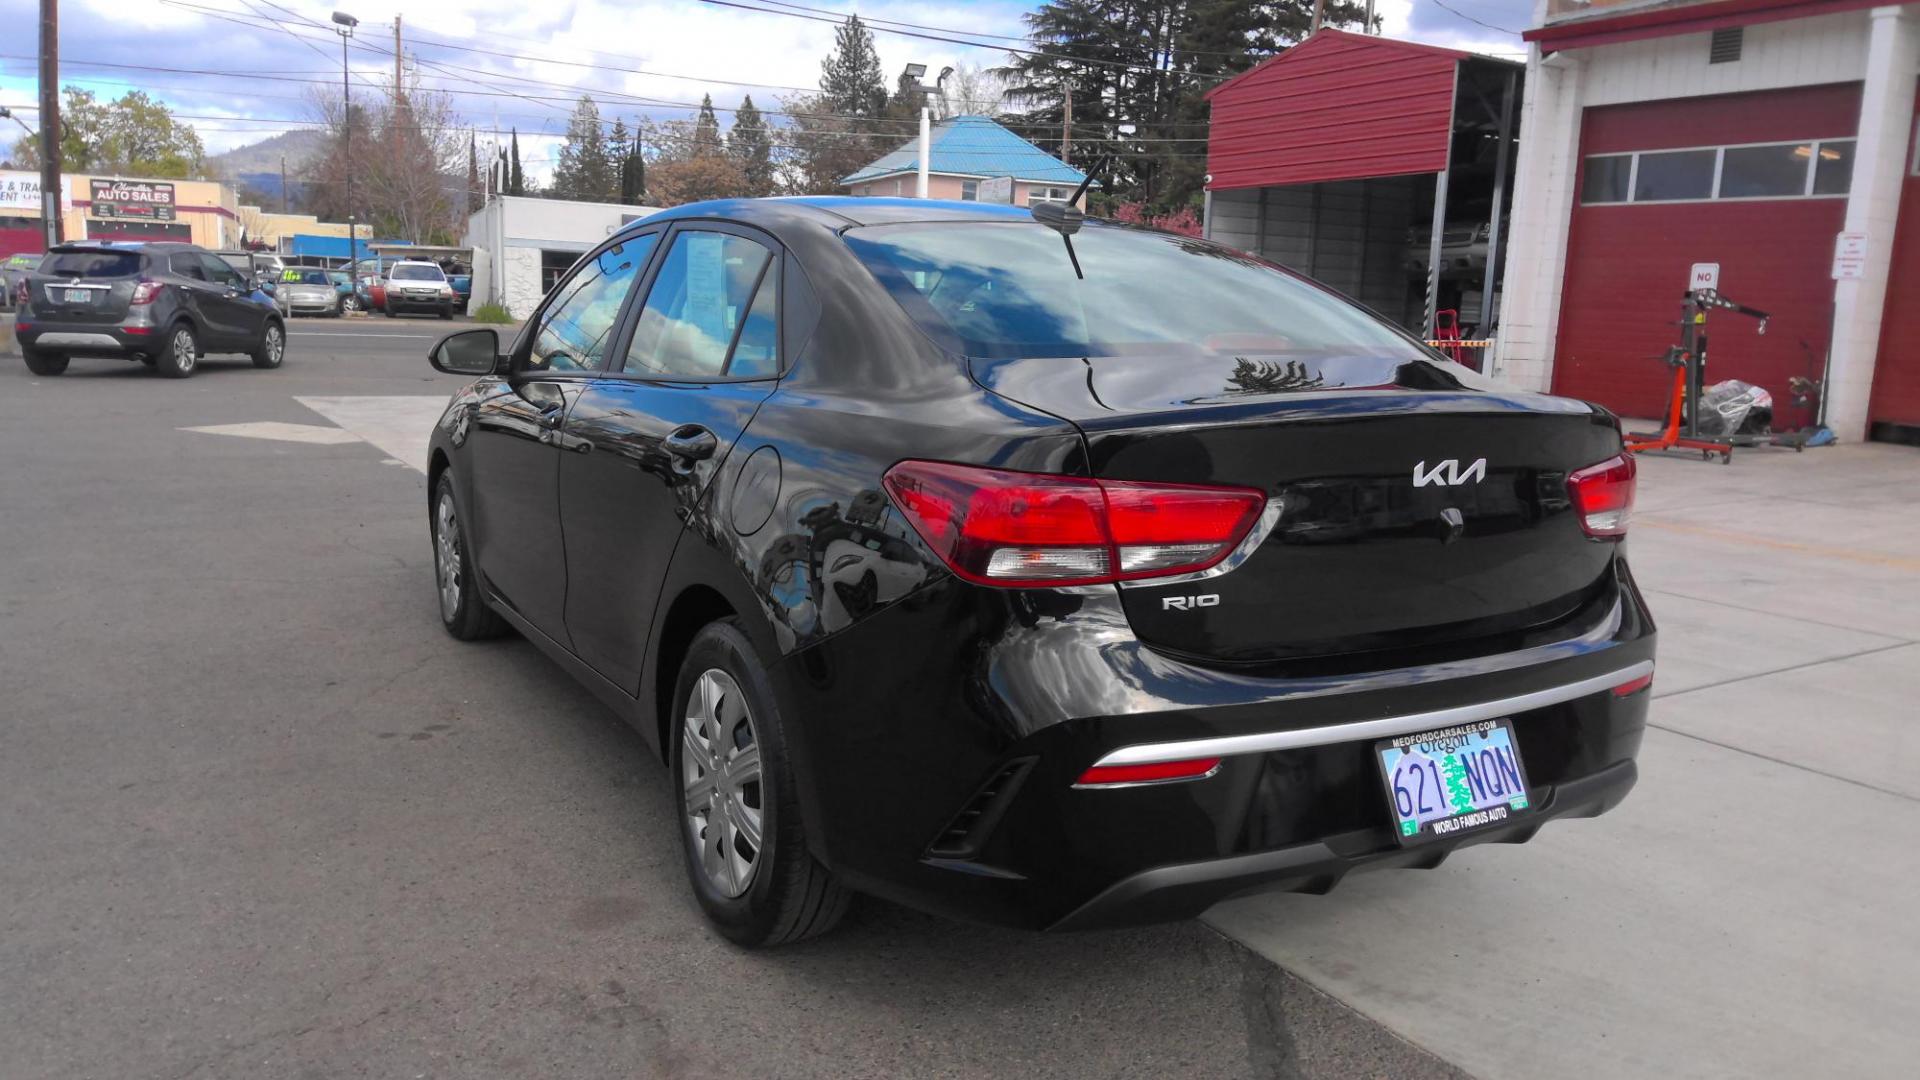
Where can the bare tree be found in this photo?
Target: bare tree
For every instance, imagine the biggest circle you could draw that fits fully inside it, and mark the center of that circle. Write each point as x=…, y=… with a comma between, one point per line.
x=407, y=164
x=973, y=91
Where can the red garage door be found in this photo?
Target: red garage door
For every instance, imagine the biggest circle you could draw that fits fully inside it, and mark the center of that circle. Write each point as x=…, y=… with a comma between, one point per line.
x=1754, y=182
x=1895, y=406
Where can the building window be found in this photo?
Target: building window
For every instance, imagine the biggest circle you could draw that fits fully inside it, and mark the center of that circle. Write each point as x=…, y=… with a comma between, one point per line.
x=1607, y=179
x=896, y=186
x=1833, y=167
x=1038, y=195
x=969, y=191
x=1750, y=172
x=554, y=266
x=1789, y=170
x=1673, y=175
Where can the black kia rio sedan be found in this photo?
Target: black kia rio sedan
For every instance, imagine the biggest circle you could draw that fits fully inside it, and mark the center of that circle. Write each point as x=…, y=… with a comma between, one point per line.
x=1038, y=571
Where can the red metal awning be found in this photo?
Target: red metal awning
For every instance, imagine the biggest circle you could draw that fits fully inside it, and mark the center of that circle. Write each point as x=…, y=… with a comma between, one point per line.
x=1606, y=28
x=1338, y=106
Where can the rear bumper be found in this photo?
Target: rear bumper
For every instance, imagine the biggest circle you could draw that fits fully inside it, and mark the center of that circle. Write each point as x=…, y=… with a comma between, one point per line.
x=89, y=338
x=1187, y=889
x=944, y=738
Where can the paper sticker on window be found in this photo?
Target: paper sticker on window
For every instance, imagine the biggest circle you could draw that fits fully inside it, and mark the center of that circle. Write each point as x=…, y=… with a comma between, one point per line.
x=707, y=289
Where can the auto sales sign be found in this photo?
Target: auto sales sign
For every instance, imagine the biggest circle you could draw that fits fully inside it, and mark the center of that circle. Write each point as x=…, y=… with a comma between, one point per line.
x=136, y=200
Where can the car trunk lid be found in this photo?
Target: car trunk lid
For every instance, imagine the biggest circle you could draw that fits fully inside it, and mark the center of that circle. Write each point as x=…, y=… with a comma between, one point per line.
x=86, y=285
x=1410, y=503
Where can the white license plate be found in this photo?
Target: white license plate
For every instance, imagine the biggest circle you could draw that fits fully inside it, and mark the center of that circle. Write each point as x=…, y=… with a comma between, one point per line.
x=1455, y=780
x=79, y=296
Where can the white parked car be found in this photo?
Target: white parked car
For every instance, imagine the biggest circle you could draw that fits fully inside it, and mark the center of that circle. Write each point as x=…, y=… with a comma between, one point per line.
x=419, y=286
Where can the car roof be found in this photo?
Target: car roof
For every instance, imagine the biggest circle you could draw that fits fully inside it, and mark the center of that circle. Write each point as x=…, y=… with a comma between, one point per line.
x=836, y=212
x=121, y=245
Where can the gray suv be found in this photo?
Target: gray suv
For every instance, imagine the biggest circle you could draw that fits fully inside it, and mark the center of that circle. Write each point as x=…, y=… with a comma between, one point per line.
x=163, y=304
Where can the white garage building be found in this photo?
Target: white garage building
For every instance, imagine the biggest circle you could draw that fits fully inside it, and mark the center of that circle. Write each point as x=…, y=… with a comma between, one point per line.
x=521, y=246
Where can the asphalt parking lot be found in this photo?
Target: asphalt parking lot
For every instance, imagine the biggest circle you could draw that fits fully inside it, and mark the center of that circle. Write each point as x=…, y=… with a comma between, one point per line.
x=262, y=818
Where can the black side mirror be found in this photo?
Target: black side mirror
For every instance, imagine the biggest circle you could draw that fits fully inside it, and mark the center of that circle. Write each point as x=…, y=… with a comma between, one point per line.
x=467, y=352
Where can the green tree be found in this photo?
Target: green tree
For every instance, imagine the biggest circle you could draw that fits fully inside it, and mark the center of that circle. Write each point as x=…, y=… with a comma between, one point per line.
x=516, y=180
x=850, y=79
x=584, y=171
x=751, y=144
x=633, y=168
x=1139, y=72
x=706, y=130
x=133, y=135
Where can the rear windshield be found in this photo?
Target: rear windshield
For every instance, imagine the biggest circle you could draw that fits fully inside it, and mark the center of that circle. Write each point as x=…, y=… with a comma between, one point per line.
x=92, y=264
x=418, y=273
x=994, y=289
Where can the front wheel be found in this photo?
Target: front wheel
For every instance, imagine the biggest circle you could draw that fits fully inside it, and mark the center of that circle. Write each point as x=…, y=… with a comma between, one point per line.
x=44, y=363
x=463, y=612
x=388, y=308
x=744, y=843
x=182, y=353
x=272, y=348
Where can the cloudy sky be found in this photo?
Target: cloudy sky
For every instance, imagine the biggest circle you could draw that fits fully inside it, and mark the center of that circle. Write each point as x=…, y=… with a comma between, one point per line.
x=245, y=69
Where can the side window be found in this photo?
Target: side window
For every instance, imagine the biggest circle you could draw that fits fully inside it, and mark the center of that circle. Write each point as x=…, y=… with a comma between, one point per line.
x=574, y=328
x=713, y=311
x=219, y=272
x=187, y=265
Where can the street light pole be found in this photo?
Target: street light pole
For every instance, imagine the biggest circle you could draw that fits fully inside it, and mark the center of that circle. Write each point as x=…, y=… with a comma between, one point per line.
x=345, y=24
x=912, y=75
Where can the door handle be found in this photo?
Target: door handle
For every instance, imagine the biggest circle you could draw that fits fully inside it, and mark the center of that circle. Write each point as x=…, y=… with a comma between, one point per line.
x=691, y=443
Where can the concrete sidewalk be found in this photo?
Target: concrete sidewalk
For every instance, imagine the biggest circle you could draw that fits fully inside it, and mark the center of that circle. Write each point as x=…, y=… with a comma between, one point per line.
x=1747, y=912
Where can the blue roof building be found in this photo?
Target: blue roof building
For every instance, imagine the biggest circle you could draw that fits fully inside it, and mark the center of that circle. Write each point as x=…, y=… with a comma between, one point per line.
x=966, y=151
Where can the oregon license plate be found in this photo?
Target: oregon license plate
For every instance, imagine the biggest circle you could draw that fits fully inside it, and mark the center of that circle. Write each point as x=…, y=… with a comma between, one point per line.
x=79, y=296
x=1453, y=781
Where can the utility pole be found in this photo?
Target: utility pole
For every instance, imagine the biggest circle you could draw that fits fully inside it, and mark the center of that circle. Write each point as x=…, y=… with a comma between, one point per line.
x=1319, y=8
x=283, y=184
x=344, y=24
x=50, y=120
x=1066, y=123
x=396, y=60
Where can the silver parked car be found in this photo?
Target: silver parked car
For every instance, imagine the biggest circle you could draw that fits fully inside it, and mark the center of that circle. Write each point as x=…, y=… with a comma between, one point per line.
x=307, y=292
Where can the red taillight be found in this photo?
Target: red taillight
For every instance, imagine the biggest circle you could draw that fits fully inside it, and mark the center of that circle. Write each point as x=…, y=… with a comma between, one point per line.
x=1153, y=773
x=1633, y=686
x=145, y=292
x=996, y=527
x=1603, y=496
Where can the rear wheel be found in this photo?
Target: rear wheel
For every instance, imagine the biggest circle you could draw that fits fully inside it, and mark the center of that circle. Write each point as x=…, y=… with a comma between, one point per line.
x=273, y=346
x=44, y=363
x=446, y=311
x=463, y=612
x=182, y=353
x=744, y=843
x=389, y=310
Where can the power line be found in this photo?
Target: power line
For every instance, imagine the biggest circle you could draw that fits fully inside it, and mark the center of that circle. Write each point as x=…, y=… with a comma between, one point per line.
x=1444, y=6
x=959, y=41
x=901, y=126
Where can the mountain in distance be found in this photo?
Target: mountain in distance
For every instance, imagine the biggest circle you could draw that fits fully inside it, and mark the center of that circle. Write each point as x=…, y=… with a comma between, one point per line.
x=296, y=146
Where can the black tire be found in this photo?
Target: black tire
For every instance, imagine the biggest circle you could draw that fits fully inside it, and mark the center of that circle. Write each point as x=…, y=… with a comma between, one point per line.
x=388, y=309
x=181, y=355
x=44, y=363
x=272, y=348
x=467, y=616
x=790, y=896
x=446, y=312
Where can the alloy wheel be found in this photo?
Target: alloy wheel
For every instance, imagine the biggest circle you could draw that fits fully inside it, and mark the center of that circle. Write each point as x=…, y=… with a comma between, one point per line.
x=184, y=350
x=721, y=777
x=276, y=345
x=446, y=556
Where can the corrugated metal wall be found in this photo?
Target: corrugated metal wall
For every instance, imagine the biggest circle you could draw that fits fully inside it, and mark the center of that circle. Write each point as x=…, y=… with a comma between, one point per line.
x=1350, y=235
x=1336, y=107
